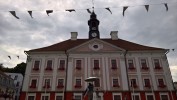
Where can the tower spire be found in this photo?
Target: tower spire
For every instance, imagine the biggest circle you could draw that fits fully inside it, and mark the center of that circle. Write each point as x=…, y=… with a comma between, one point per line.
x=93, y=23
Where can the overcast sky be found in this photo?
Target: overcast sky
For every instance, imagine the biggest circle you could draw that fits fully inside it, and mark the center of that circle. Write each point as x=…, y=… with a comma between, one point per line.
x=157, y=27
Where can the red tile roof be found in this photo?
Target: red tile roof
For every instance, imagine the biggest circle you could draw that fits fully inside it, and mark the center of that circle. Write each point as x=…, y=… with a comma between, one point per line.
x=68, y=44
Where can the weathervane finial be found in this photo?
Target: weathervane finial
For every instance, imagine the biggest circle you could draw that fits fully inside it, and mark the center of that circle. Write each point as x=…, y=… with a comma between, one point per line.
x=93, y=5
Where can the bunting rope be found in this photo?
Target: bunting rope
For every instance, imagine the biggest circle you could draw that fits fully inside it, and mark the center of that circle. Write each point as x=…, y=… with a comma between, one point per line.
x=88, y=9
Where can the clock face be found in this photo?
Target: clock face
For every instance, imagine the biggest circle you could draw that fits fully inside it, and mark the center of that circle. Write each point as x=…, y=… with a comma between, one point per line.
x=94, y=34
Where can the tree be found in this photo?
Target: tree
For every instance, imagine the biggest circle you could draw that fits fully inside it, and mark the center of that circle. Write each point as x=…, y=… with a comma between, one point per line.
x=20, y=68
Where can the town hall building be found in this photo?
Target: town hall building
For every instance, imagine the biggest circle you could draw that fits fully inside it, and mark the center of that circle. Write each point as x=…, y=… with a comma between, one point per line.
x=125, y=70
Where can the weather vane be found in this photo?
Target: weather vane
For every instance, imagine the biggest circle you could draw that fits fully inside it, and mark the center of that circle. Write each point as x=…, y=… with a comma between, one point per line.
x=93, y=5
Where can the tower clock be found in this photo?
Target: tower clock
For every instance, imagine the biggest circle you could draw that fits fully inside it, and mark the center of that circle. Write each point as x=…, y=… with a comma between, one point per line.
x=93, y=23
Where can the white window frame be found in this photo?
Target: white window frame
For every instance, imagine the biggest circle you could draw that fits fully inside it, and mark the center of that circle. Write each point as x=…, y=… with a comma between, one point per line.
x=154, y=62
x=115, y=78
x=76, y=63
x=164, y=94
x=59, y=63
x=150, y=94
x=50, y=81
x=45, y=94
x=77, y=94
x=78, y=78
x=134, y=66
x=99, y=60
x=117, y=94
x=136, y=81
x=146, y=62
x=34, y=79
x=39, y=63
x=162, y=79
x=134, y=94
x=58, y=94
x=31, y=94
x=63, y=81
x=47, y=61
x=111, y=62
x=149, y=81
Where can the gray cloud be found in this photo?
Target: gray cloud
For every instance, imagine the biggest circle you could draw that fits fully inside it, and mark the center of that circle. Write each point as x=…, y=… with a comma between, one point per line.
x=153, y=28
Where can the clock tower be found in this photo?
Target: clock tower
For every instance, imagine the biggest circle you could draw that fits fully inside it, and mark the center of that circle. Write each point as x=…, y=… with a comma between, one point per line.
x=93, y=23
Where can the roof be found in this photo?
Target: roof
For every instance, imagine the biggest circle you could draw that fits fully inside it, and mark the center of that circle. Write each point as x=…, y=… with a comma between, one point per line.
x=68, y=44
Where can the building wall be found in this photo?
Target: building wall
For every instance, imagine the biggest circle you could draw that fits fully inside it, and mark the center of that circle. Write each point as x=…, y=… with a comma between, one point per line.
x=7, y=86
x=18, y=81
x=105, y=73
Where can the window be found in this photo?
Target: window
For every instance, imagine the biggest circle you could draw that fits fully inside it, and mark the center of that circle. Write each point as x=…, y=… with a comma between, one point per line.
x=149, y=97
x=147, y=83
x=46, y=83
x=135, y=97
x=117, y=97
x=49, y=65
x=33, y=83
x=78, y=83
x=31, y=98
x=164, y=97
x=59, y=97
x=113, y=64
x=161, y=83
x=62, y=65
x=96, y=64
x=133, y=83
x=97, y=83
x=144, y=64
x=157, y=64
x=130, y=64
x=60, y=83
x=36, y=65
x=45, y=97
x=78, y=64
x=77, y=97
x=115, y=83
x=16, y=76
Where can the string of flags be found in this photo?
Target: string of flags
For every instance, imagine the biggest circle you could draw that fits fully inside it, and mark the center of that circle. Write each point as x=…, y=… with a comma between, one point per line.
x=11, y=58
x=88, y=10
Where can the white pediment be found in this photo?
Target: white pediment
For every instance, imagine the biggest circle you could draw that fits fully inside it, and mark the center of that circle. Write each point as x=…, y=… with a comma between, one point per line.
x=96, y=45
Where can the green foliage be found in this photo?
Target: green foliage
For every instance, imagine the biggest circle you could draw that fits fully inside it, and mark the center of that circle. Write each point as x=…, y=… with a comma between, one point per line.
x=20, y=68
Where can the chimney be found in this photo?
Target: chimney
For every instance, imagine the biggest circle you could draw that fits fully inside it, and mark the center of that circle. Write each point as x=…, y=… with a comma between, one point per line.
x=74, y=35
x=114, y=35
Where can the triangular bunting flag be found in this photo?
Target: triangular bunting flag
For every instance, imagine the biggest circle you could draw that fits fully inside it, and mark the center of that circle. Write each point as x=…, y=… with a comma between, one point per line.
x=30, y=13
x=49, y=11
x=108, y=10
x=147, y=7
x=14, y=14
x=88, y=10
x=124, y=8
x=70, y=10
x=9, y=57
x=18, y=57
x=166, y=6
